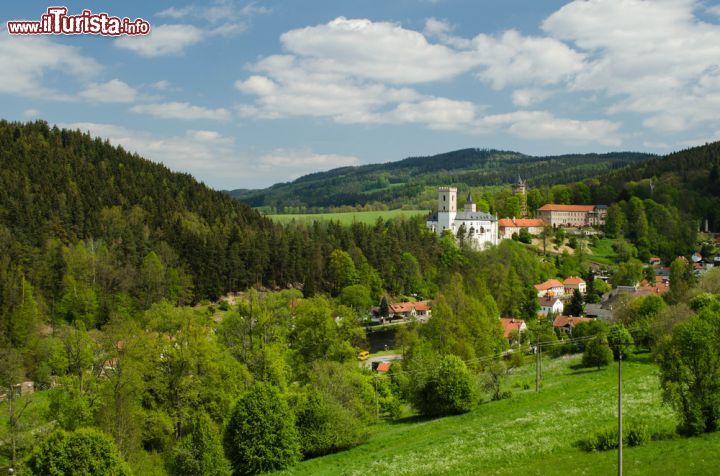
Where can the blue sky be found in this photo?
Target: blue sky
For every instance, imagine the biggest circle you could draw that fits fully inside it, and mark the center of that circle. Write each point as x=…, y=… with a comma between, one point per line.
x=244, y=94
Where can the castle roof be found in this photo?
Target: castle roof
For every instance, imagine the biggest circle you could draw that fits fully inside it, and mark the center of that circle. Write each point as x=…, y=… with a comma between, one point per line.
x=469, y=198
x=554, y=207
x=521, y=222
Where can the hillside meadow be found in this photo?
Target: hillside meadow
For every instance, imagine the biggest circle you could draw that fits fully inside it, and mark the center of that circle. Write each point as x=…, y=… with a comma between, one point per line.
x=534, y=433
x=347, y=218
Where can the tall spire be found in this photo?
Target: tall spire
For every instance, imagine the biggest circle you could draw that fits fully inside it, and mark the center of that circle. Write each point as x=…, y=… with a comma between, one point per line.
x=469, y=198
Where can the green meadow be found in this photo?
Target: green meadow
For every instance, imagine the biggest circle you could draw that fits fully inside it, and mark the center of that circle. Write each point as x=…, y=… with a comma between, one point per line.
x=534, y=433
x=348, y=218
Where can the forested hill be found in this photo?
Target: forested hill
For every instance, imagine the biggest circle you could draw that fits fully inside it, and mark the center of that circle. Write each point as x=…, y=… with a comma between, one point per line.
x=93, y=228
x=688, y=180
x=411, y=181
x=61, y=183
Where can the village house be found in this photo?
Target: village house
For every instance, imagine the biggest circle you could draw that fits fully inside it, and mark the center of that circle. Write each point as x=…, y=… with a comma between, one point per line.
x=551, y=287
x=421, y=310
x=550, y=304
x=511, y=326
x=659, y=287
x=573, y=215
x=480, y=228
x=567, y=323
x=572, y=283
x=508, y=226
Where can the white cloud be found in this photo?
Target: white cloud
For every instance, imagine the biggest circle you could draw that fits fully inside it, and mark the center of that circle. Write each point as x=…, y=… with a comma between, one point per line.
x=111, y=91
x=437, y=113
x=215, y=158
x=649, y=57
x=515, y=59
x=162, y=85
x=296, y=163
x=205, y=153
x=377, y=51
x=224, y=17
x=543, y=125
x=182, y=110
x=530, y=96
x=25, y=60
x=163, y=40
x=714, y=10
x=31, y=113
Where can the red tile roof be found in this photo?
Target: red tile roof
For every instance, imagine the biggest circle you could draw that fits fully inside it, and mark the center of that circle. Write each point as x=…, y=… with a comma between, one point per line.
x=401, y=307
x=548, y=301
x=549, y=284
x=384, y=366
x=509, y=325
x=553, y=207
x=565, y=321
x=521, y=222
x=574, y=280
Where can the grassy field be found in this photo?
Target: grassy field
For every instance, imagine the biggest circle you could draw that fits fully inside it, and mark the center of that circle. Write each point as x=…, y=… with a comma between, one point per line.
x=603, y=252
x=350, y=217
x=533, y=433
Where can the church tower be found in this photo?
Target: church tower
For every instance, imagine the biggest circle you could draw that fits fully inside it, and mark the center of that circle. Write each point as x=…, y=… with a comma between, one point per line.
x=447, y=208
x=520, y=189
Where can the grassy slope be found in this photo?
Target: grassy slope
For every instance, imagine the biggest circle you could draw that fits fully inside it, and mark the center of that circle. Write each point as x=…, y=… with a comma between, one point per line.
x=348, y=218
x=603, y=251
x=532, y=433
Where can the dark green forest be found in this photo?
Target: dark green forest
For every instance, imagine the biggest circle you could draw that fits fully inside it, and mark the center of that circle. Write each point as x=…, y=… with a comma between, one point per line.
x=412, y=181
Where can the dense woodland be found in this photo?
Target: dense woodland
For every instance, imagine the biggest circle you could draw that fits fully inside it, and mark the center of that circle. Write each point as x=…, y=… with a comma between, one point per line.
x=105, y=257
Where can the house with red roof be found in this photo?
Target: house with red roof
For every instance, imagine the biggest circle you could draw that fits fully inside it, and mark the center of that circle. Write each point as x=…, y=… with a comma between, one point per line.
x=573, y=215
x=572, y=283
x=551, y=287
x=508, y=226
x=567, y=323
x=511, y=325
x=550, y=304
x=407, y=310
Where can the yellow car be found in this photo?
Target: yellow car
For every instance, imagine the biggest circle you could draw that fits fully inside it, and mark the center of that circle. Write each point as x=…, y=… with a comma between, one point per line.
x=363, y=355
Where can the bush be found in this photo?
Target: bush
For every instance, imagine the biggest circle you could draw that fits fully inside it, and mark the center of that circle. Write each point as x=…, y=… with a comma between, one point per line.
x=324, y=425
x=201, y=451
x=634, y=434
x=84, y=451
x=448, y=391
x=261, y=434
x=597, y=352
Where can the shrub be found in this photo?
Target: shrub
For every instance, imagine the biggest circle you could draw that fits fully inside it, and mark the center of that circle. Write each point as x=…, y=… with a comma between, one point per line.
x=597, y=352
x=84, y=451
x=634, y=434
x=448, y=391
x=324, y=425
x=201, y=451
x=261, y=434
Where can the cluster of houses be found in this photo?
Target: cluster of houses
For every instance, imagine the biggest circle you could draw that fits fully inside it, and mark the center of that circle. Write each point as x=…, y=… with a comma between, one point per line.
x=420, y=311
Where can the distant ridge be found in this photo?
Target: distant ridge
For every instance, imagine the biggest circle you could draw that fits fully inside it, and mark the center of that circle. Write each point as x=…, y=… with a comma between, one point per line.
x=404, y=182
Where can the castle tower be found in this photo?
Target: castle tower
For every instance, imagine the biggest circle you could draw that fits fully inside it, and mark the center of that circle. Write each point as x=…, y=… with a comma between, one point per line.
x=469, y=204
x=447, y=208
x=520, y=189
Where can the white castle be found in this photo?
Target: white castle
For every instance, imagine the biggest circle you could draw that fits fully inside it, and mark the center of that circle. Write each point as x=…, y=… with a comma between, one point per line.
x=481, y=228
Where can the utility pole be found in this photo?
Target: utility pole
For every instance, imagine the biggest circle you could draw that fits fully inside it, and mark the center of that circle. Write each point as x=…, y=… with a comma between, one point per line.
x=620, y=428
x=537, y=365
x=540, y=359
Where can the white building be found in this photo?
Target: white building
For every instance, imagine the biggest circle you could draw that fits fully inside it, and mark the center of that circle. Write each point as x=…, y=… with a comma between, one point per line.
x=481, y=229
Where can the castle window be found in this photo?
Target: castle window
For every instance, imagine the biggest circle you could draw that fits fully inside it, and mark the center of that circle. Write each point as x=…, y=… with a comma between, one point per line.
x=443, y=198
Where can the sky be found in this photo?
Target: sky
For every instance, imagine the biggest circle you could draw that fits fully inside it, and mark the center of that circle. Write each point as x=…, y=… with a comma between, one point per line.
x=244, y=94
